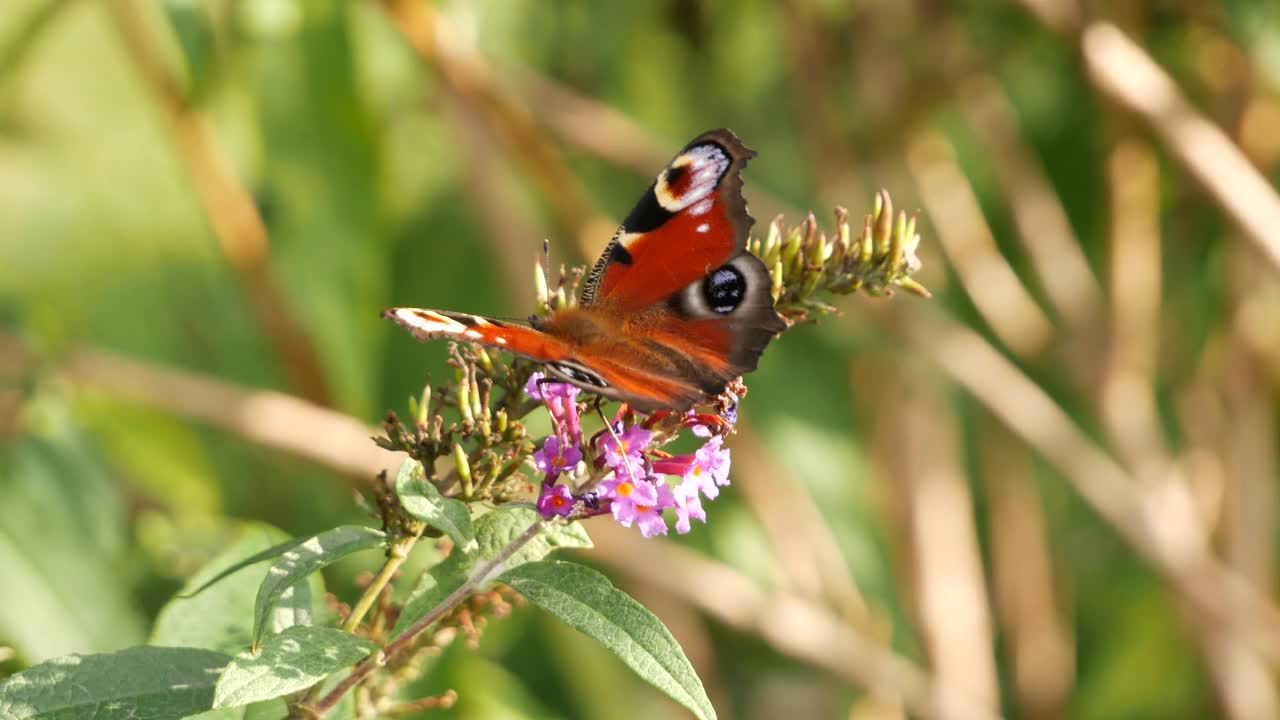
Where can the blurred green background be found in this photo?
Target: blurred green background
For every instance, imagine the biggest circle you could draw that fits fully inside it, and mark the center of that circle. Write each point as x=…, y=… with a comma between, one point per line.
x=1037, y=488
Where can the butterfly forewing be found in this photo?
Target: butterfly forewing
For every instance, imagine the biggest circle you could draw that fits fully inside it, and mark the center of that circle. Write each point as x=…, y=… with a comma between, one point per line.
x=691, y=220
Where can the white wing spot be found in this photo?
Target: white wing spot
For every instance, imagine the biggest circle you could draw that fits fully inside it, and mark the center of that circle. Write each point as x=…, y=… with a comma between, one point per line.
x=702, y=208
x=706, y=164
x=704, y=227
x=471, y=334
x=625, y=239
x=500, y=340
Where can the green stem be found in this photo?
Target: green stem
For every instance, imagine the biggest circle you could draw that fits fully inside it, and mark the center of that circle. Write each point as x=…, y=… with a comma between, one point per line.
x=479, y=577
x=398, y=552
x=395, y=559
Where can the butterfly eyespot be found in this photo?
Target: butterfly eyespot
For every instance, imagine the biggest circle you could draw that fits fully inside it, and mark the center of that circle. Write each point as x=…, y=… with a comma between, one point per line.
x=724, y=289
x=676, y=178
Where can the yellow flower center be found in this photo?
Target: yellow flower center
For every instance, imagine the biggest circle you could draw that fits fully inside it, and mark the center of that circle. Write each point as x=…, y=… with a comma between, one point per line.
x=643, y=508
x=624, y=489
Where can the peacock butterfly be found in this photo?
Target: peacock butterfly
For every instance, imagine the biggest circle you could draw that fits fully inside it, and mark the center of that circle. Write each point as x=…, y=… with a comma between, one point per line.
x=674, y=309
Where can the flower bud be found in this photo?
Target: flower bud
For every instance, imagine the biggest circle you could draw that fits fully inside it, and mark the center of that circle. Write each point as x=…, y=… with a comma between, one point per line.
x=464, y=400
x=463, y=466
x=884, y=224
x=541, y=296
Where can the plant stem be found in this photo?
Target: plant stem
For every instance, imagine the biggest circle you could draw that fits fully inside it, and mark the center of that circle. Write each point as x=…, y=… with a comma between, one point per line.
x=396, y=557
x=477, y=578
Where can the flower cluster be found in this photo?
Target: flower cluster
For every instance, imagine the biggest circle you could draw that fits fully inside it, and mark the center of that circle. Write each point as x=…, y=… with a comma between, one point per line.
x=620, y=471
x=805, y=262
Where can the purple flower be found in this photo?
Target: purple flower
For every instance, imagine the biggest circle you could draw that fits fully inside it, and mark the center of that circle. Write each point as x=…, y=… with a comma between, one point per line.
x=625, y=452
x=714, y=459
x=705, y=470
x=556, y=457
x=539, y=388
x=626, y=495
x=688, y=505
x=555, y=500
x=561, y=400
x=640, y=502
x=649, y=517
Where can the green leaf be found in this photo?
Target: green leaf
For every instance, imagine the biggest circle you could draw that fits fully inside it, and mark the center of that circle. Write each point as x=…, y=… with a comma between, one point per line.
x=141, y=683
x=494, y=531
x=293, y=660
x=584, y=599
x=422, y=500
x=307, y=557
x=266, y=710
x=221, y=618
x=272, y=552
x=63, y=528
x=434, y=586
x=497, y=529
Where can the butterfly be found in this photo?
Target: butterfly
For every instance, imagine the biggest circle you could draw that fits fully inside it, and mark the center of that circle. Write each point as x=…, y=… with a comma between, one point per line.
x=674, y=309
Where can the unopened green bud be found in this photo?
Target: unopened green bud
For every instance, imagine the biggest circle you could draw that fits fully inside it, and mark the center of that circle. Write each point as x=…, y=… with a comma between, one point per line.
x=477, y=407
x=811, y=280
x=867, y=249
x=791, y=247
x=894, y=260
x=884, y=224
x=463, y=465
x=464, y=400
x=914, y=287
x=486, y=362
x=842, y=229
x=774, y=237
x=819, y=251
x=541, y=296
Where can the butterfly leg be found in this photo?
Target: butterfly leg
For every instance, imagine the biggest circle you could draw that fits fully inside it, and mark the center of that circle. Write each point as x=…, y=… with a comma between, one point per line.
x=548, y=380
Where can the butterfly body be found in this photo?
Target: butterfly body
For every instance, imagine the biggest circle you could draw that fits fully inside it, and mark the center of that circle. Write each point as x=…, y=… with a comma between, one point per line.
x=675, y=308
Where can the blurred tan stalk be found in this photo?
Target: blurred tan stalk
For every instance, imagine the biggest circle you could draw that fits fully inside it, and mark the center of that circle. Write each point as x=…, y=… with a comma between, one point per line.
x=926, y=476
x=1153, y=518
x=1051, y=244
x=989, y=280
x=1034, y=626
x=1128, y=76
x=230, y=208
x=467, y=77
